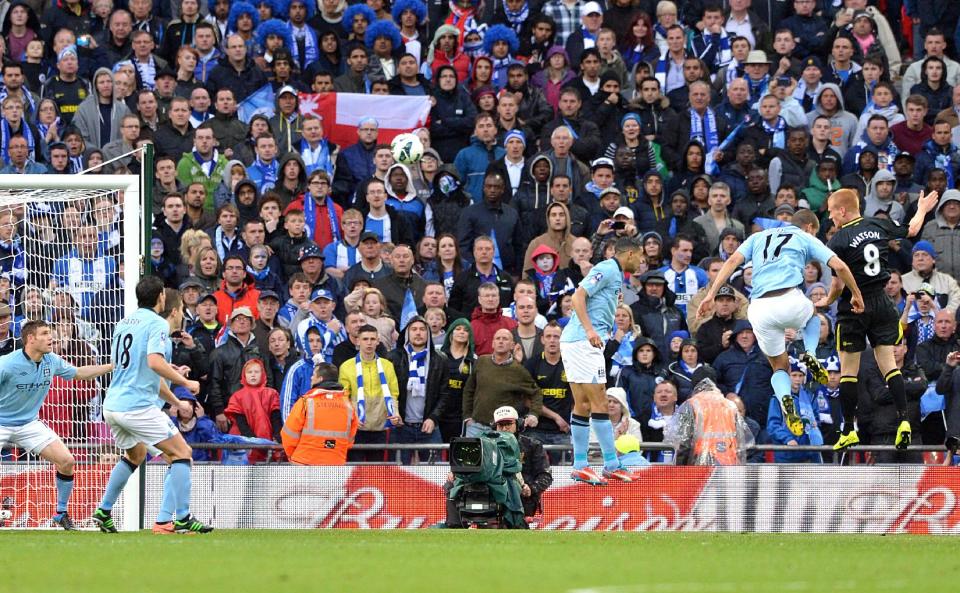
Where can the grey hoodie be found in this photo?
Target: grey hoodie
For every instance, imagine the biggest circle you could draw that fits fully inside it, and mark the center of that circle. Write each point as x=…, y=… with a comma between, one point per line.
x=871, y=204
x=842, y=120
x=946, y=240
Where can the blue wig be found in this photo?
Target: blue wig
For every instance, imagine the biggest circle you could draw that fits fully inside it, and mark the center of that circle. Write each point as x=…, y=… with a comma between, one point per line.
x=274, y=27
x=276, y=7
x=383, y=28
x=353, y=11
x=239, y=8
x=284, y=7
x=401, y=6
x=500, y=33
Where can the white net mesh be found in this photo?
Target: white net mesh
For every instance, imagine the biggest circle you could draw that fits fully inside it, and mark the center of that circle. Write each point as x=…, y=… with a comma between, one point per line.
x=62, y=255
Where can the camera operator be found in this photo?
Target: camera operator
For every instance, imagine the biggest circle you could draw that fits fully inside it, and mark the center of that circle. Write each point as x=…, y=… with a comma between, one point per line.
x=918, y=314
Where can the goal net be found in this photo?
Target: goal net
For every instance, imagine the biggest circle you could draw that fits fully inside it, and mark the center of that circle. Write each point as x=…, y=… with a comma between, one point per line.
x=70, y=254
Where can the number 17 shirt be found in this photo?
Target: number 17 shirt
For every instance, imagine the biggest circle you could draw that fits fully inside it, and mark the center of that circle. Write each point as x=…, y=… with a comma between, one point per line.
x=779, y=256
x=134, y=384
x=863, y=244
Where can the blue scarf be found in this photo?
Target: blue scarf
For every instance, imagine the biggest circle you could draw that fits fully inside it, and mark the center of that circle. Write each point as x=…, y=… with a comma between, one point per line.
x=659, y=29
x=940, y=161
x=261, y=275
x=30, y=110
x=207, y=166
x=589, y=39
x=544, y=284
x=778, y=131
x=223, y=244
x=311, y=47
x=384, y=391
x=197, y=118
x=704, y=129
x=516, y=19
x=316, y=158
x=310, y=216
x=6, y=132
x=623, y=357
x=759, y=88
x=724, y=54
x=497, y=261
x=418, y=364
x=269, y=173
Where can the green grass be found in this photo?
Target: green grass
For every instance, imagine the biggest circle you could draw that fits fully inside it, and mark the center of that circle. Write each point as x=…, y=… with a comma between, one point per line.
x=441, y=561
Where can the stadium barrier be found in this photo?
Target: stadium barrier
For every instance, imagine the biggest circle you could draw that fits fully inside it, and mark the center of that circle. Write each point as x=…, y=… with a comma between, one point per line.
x=756, y=498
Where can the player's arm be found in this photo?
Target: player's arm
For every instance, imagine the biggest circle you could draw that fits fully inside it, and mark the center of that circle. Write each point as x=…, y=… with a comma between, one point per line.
x=733, y=262
x=579, y=303
x=843, y=271
x=925, y=203
x=92, y=371
x=158, y=364
x=836, y=287
x=168, y=396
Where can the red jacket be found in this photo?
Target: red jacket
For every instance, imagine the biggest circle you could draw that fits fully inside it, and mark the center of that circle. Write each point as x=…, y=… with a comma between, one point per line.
x=246, y=297
x=485, y=325
x=256, y=403
x=322, y=233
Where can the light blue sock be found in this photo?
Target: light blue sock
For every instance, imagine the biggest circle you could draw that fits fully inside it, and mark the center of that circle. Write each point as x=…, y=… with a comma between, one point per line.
x=781, y=383
x=180, y=484
x=118, y=479
x=580, y=433
x=168, y=502
x=811, y=335
x=64, y=488
x=603, y=428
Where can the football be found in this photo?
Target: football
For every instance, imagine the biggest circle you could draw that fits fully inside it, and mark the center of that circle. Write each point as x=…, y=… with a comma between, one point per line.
x=407, y=149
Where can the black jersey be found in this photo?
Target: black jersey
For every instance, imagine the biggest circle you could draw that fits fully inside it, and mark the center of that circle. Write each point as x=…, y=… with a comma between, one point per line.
x=554, y=388
x=863, y=244
x=67, y=96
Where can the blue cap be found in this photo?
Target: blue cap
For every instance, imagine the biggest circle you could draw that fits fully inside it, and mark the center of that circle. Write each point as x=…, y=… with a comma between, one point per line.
x=321, y=293
x=514, y=134
x=310, y=250
x=635, y=117
x=925, y=246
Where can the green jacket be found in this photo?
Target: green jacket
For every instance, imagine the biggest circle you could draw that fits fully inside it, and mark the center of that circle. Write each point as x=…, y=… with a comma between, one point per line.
x=189, y=171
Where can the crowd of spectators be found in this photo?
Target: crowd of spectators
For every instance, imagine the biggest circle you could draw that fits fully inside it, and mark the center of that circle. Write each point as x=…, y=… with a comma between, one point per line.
x=439, y=289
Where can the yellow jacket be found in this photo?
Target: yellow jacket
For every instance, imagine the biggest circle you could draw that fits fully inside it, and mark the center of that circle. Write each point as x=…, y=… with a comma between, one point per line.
x=376, y=409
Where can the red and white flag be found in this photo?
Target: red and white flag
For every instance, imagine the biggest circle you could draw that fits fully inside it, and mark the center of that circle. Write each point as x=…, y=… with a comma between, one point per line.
x=342, y=113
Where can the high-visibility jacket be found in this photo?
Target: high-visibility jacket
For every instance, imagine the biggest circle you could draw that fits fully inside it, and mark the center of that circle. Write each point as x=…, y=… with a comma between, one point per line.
x=715, y=433
x=320, y=428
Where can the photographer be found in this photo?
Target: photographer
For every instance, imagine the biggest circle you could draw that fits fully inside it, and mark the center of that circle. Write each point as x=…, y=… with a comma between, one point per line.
x=918, y=315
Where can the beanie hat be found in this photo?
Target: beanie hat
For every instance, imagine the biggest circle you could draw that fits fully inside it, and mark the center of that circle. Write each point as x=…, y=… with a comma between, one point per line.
x=925, y=246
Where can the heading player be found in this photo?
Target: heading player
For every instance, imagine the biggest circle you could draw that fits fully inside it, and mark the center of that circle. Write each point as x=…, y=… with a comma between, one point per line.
x=25, y=378
x=140, y=352
x=779, y=256
x=863, y=242
x=581, y=349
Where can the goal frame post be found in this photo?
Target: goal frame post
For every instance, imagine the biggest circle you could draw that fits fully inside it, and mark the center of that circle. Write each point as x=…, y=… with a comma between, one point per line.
x=136, y=213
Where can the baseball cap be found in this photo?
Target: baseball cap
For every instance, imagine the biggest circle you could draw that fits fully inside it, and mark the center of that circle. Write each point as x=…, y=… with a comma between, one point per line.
x=905, y=154
x=726, y=291
x=924, y=287
x=653, y=276
x=784, y=209
x=241, y=311
x=591, y=8
x=268, y=294
x=926, y=247
x=601, y=162
x=829, y=157
x=504, y=413
x=166, y=71
x=610, y=190
x=191, y=283
x=813, y=62
x=287, y=90
x=321, y=293
x=309, y=251
x=205, y=296
x=367, y=235
x=623, y=211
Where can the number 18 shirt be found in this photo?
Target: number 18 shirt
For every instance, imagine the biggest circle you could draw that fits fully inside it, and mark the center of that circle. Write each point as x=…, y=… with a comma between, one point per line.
x=135, y=385
x=864, y=244
x=779, y=256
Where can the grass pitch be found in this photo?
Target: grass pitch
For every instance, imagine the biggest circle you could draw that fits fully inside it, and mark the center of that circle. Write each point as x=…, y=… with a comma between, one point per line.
x=447, y=561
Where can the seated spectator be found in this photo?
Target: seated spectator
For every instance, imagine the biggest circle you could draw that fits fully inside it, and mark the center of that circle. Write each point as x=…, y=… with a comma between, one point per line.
x=640, y=378
x=654, y=418
x=777, y=428
x=655, y=310
x=925, y=258
x=917, y=319
x=196, y=427
x=725, y=441
x=254, y=410
x=328, y=406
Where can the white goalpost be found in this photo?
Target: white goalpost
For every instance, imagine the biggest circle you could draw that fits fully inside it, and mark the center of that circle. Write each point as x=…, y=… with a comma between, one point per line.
x=71, y=253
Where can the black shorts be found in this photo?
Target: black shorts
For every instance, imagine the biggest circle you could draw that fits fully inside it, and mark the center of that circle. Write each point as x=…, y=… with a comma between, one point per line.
x=879, y=322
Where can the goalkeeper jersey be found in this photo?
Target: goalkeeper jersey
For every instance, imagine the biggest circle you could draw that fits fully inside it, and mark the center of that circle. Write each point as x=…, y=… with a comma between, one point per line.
x=24, y=385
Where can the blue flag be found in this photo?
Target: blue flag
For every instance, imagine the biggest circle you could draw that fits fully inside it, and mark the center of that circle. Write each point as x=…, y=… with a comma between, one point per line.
x=259, y=103
x=496, y=249
x=409, y=310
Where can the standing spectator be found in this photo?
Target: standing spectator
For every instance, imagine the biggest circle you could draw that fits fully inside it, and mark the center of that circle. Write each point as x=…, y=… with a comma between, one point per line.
x=683, y=279
x=320, y=316
x=227, y=362
x=472, y=162
x=641, y=377
x=526, y=333
x=67, y=89
x=327, y=406
x=494, y=219
x=422, y=380
x=402, y=284
x=653, y=420
x=714, y=335
x=254, y=410
x=349, y=347
x=733, y=370
x=343, y=253
x=655, y=310
x=89, y=277
x=884, y=419
x=290, y=245
x=717, y=219
x=236, y=290
x=371, y=266
x=297, y=380
x=371, y=383
x=487, y=318
x=205, y=164
x=933, y=354
x=174, y=137
x=553, y=425
x=461, y=360
x=98, y=117
x=924, y=270
x=355, y=163
x=781, y=435
x=499, y=380
x=236, y=70
x=943, y=232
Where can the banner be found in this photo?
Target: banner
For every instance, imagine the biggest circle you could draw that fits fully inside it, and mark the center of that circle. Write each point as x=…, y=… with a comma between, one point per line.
x=342, y=113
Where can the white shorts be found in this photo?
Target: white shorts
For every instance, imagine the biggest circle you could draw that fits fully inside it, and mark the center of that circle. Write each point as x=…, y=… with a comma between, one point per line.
x=583, y=363
x=772, y=316
x=146, y=425
x=33, y=436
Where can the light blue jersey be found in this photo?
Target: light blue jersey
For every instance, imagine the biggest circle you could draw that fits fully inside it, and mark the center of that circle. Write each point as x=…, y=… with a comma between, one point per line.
x=603, y=285
x=24, y=385
x=135, y=385
x=779, y=256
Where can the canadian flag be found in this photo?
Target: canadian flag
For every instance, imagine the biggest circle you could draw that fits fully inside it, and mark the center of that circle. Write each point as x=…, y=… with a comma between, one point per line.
x=342, y=113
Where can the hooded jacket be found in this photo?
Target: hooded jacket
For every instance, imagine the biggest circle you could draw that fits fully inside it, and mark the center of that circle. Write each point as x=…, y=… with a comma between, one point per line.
x=747, y=370
x=886, y=153
x=934, y=156
x=451, y=120
x=638, y=380
x=226, y=371
x=246, y=296
x=87, y=117
x=254, y=410
x=843, y=123
x=437, y=388
x=224, y=194
x=871, y=203
x=541, y=80
x=443, y=210
x=945, y=238
x=560, y=241
x=472, y=163
x=658, y=318
x=531, y=199
x=409, y=207
x=548, y=289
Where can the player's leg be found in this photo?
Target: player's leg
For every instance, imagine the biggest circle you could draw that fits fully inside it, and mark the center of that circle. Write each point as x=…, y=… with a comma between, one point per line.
x=770, y=318
x=176, y=486
x=580, y=425
x=849, y=368
x=584, y=372
x=894, y=379
x=811, y=338
x=603, y=428
x=119, y=475
x=61, y=458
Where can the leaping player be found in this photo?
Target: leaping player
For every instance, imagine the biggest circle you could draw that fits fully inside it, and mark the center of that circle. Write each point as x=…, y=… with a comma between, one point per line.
x=864, y=243
x=25, y=377
x=779, y=256
x=581, y=348
x=141, y=352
